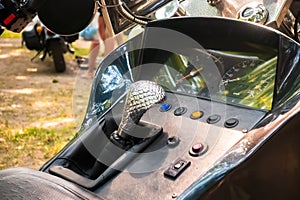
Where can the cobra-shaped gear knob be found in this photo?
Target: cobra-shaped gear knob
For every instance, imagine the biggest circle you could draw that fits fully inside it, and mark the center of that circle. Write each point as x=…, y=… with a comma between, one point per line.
x=140, y=97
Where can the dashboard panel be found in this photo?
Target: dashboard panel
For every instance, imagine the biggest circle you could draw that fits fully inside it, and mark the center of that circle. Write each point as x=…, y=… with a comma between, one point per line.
x=187, y=148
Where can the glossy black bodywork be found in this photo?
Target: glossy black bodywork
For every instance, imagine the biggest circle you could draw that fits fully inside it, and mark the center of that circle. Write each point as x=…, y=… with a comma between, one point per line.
x=273, y=172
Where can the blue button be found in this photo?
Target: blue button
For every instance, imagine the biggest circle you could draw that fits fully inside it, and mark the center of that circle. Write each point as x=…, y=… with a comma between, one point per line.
x=165, y=107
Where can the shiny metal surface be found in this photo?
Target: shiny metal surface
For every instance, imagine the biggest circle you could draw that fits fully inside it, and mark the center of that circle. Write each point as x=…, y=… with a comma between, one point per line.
x=117, y=20
x=254, y=12
x=225, y=8
x=230, y=8
x=213, y=2
x=140, y=97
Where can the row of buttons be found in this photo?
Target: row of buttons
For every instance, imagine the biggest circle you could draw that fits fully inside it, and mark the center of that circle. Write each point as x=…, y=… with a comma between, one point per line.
x=212, y=119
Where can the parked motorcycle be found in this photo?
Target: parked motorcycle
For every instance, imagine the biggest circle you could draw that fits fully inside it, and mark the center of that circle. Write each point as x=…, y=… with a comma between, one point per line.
x=191, y=108
x=37, y=37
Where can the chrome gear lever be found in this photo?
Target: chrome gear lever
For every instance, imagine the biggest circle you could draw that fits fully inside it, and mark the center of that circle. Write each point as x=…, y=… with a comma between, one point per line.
x=140, y=97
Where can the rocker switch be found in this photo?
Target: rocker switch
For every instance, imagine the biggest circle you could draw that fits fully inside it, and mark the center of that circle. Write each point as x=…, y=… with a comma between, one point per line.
x=177, y=168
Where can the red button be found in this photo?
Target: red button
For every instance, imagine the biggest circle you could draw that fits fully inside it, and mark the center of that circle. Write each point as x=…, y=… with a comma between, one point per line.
x=197, y=147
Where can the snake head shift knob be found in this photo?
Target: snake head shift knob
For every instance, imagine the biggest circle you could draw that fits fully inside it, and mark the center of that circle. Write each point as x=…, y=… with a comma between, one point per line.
x=140, y=97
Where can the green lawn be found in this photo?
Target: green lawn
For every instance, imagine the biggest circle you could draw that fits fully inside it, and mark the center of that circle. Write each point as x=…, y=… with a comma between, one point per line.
x=9, y=34
x=22, y=142
x=78, y=50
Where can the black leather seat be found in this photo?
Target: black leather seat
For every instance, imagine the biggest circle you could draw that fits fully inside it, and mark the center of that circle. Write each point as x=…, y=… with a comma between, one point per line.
x=24, y=183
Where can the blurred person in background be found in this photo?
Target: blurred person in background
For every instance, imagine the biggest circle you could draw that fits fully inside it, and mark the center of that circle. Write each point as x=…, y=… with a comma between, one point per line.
x=110, y=43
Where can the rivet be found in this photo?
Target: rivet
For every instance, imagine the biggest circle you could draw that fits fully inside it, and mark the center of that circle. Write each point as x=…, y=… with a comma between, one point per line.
x=174, y=195
x=245, y=130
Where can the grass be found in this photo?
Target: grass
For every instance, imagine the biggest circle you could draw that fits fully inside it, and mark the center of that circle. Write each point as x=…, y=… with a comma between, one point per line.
x=81, y=51
x=25, y=143
x=34, y=126
x=9, y=34
x=34, y=144
x=78, y=50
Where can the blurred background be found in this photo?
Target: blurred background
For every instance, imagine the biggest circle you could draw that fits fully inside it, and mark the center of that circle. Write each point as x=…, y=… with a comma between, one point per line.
x=40, y=109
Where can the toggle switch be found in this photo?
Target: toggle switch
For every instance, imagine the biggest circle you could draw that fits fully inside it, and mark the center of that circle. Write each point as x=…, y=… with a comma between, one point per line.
x=177, y=168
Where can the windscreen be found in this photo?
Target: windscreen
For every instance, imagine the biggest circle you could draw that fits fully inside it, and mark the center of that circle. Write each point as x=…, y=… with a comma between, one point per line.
x=238, y=70
x=237, y=78
x=243, y=78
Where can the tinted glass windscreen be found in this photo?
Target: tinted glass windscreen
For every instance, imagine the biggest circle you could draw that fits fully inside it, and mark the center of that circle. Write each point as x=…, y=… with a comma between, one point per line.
x=239, y=78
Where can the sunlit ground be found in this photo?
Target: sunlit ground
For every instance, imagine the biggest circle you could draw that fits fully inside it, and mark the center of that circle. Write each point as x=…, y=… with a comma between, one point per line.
x=36, y=106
